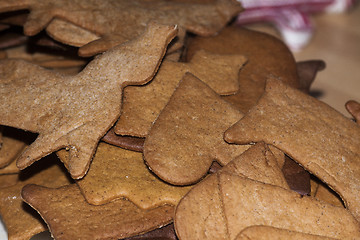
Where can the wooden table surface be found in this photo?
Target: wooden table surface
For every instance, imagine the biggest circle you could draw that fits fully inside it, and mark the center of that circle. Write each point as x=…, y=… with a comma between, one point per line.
x=336, y=41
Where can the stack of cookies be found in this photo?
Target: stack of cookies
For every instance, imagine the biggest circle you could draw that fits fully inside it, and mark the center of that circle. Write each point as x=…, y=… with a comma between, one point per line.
x=155, y=119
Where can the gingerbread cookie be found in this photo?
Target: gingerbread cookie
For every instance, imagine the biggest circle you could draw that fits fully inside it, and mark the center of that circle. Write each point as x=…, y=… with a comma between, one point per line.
x=20, y=220
x=187, y=136
x=224, y=204
x=316, y=136
x=68, y=214
x=142, y=104
x=102, y=18
x=267, y=56
x=118, y=173
x=76, y=111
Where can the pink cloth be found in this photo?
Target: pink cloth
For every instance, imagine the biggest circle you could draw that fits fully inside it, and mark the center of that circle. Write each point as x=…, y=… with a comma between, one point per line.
x=290, y=17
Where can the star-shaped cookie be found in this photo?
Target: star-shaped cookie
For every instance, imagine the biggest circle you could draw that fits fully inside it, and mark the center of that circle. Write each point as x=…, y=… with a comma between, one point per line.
x=74, y=112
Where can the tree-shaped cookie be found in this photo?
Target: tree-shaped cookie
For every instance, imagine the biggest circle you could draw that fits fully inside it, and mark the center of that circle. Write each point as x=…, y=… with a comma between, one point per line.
x=142, y=104
x=74, y=112
x=323, y=141
x=69, y=216
x=117, y=21
x=187, y=136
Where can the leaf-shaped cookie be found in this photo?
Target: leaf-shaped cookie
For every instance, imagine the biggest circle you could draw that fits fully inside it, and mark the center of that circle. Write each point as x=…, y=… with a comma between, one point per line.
x=142, y=105
x=312, y=133
x=119, y=173
x=187, y=136
x=76, y=111
x=69, y=216
x=117, y=21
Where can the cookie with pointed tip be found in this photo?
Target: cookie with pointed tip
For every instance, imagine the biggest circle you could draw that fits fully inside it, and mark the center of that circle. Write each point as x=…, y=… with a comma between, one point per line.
x=74, y=112
x=142, y=105
x=231, y=203
x=312, y=133
x=353, y=107
x=296, y=176
x=257, y=163
x=266, y=56
x=187, y=136
x=126, y=142
x=67, y=214
x=102, y=18
x=119, y=173
x=258, y=232
x=20, y=220
x=326, y=194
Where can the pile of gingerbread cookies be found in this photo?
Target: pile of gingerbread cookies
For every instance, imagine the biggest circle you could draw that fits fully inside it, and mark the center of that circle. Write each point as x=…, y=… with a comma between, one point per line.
x=154, y=119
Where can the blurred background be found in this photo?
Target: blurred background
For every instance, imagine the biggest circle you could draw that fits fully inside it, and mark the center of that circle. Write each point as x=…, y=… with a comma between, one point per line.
x=331, y=35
